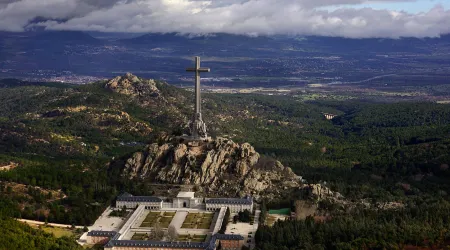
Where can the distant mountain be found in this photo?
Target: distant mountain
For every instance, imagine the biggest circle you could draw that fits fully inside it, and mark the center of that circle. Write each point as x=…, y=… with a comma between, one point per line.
x=317, y=43
x=217, y=40
x=65, y=37
x=230, y=55
x=112, y=35
x=366, y=45
x=155, y=38
x=221, y=40
x=27, y=40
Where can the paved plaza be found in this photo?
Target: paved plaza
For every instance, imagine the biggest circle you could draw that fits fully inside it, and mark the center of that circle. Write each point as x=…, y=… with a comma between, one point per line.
x=107, y=223
x=178, y=219
x=104, y=223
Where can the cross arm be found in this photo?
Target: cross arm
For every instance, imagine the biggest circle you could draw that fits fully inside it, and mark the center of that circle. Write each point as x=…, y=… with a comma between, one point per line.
x=199, y=70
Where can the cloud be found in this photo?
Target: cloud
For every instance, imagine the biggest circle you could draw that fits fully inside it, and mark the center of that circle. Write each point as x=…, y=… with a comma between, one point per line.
x=302, y=17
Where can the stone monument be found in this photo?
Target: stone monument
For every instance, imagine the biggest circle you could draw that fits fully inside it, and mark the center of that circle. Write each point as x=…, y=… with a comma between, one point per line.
x=197, y=126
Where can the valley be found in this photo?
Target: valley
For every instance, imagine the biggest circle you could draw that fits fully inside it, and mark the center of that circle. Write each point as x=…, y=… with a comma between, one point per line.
x=78, y=57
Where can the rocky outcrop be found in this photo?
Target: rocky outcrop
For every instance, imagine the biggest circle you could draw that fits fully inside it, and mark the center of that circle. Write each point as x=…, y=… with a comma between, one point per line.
x=134, y=86
x=220, y=167
x=321, y=192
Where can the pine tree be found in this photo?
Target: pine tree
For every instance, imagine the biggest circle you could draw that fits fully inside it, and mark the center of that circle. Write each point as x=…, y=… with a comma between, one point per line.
x=262, y=216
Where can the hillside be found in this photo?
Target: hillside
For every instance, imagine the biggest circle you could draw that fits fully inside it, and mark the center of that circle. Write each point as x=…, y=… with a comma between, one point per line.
x=64, y=137
x=17, y=236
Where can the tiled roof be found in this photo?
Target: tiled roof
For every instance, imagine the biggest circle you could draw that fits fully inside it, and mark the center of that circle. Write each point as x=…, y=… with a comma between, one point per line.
x=147, y=243
x=229, y=237
x=213, y=241
x=102, y=233
x=125, y=194
x=210, y=245
x=229, y=201
x=139, y=198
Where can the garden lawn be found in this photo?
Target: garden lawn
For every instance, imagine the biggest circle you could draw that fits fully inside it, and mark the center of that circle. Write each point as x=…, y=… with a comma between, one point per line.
x=139, y=236
x=198, y=220
x=192, y=238
x=155, y=217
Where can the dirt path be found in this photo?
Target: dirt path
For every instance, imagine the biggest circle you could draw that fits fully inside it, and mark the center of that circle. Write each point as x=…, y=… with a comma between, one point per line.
x=35, y=222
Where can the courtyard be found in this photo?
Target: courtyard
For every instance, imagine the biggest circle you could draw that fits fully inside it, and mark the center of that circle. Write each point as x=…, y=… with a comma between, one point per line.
x=198, y=220
x=162, y=219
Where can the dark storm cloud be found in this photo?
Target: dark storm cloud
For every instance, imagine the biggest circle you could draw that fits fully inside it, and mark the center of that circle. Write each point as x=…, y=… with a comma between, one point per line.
x=233, y=16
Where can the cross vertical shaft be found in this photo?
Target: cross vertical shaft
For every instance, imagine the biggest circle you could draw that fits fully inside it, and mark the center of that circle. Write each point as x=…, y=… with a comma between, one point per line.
x=198, y=127
x=198, y=97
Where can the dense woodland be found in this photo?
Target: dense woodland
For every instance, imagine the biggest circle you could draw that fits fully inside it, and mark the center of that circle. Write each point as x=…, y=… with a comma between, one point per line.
x=422, y=225
x=63, y=137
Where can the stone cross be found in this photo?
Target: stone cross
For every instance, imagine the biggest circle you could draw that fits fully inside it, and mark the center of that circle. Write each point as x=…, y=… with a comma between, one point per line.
x=197, y=126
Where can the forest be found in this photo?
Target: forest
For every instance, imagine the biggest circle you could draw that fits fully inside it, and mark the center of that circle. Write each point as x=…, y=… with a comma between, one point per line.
x=424, y=225
x=18, y=236
x=63, y=137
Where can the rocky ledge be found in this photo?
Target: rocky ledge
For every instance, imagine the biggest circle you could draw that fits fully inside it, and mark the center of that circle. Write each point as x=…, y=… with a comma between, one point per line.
x=219, y=167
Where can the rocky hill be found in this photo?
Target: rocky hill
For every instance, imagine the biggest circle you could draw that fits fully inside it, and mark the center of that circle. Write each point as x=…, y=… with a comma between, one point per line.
x=219, y=167
x=131, y=85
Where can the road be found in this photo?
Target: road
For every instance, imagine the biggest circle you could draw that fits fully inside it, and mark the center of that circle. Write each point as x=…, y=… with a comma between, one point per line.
x=373, y=78
x=35, y=222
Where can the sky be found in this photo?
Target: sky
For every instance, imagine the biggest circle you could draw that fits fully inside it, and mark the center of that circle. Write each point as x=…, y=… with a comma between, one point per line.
x=345, y=18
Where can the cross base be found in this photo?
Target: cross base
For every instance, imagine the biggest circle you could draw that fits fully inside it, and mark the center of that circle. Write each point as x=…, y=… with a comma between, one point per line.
x=198, y=127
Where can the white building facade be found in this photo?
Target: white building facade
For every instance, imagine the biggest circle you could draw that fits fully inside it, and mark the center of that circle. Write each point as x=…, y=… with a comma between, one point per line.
x=130, y=201
x=185, y=200
x=235, y=205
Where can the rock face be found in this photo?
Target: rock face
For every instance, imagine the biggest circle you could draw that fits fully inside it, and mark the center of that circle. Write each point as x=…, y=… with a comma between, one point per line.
x=320, y=192
x=132, y=85
x=219, y=167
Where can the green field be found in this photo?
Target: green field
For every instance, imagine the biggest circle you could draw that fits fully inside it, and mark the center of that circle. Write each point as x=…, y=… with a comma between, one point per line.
x=58, y=232
x=198, y=220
